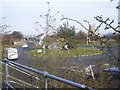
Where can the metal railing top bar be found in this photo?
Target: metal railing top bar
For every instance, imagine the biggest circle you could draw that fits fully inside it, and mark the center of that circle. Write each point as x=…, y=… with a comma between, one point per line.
x=47, y=75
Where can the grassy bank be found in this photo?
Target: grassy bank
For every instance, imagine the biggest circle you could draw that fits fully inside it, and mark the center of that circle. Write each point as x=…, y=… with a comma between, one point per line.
x=65, y=53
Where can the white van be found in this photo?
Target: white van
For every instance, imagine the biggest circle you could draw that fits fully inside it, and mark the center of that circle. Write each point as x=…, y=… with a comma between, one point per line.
x=12, y=53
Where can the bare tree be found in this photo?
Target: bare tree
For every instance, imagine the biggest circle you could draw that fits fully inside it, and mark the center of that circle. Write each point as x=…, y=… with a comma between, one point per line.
x=49, y=21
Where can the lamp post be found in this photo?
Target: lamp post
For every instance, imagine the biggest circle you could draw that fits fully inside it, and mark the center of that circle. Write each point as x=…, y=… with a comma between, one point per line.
x=88, y=38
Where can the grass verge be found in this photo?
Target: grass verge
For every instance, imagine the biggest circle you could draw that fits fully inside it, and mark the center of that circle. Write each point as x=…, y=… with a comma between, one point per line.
x=65, y=53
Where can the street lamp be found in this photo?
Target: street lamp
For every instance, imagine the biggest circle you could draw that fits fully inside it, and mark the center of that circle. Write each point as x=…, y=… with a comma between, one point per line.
x=88, y=32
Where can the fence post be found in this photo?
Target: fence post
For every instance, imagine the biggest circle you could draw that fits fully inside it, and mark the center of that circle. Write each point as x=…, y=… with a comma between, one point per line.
x=31, y=78
x=6, y=74
x=45, y=80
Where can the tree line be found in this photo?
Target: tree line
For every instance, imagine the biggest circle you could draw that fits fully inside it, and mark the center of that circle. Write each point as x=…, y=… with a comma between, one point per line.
x=9, y=38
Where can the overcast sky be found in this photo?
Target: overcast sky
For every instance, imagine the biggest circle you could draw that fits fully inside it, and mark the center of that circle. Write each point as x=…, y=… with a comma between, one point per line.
x=21, y=15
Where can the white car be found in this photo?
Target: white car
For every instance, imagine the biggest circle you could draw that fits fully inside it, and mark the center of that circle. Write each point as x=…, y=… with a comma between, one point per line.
x=24, y=46
x=12, y=53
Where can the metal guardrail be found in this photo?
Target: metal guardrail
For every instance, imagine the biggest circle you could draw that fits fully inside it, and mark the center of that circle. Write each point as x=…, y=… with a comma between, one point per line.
x=19, y=81
x=46, y=75
x=25, y=83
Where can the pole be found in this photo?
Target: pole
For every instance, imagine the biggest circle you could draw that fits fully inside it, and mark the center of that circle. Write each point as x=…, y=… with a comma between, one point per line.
x=6, y=75
x=45, y=80
x=87, y=38
x=92, y=72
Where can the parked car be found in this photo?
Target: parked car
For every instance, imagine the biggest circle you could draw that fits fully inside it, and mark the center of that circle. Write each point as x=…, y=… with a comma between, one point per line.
x=24, y=46
x=113, y=73
x=12, y=53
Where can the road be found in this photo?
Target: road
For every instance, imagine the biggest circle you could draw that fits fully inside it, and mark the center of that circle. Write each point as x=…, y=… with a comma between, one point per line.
x=80, y=62
x=59, y=66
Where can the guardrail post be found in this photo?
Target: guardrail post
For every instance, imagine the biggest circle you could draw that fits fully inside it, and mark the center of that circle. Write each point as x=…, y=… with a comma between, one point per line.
x=45, y=80
x=6, y=74
x=31, y=77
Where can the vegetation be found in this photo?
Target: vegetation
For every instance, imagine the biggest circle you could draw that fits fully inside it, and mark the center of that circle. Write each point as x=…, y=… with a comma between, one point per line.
x=65, y=53
x=66, y=34
x=17, y=35
x=9, y=39
x=70, y=68
x=65, y=31
x=112, y=36
x=80, y=37
x=61, y=67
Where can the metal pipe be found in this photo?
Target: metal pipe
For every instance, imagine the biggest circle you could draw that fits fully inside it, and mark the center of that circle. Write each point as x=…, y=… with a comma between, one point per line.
x=11, y=87
x=66, y=81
